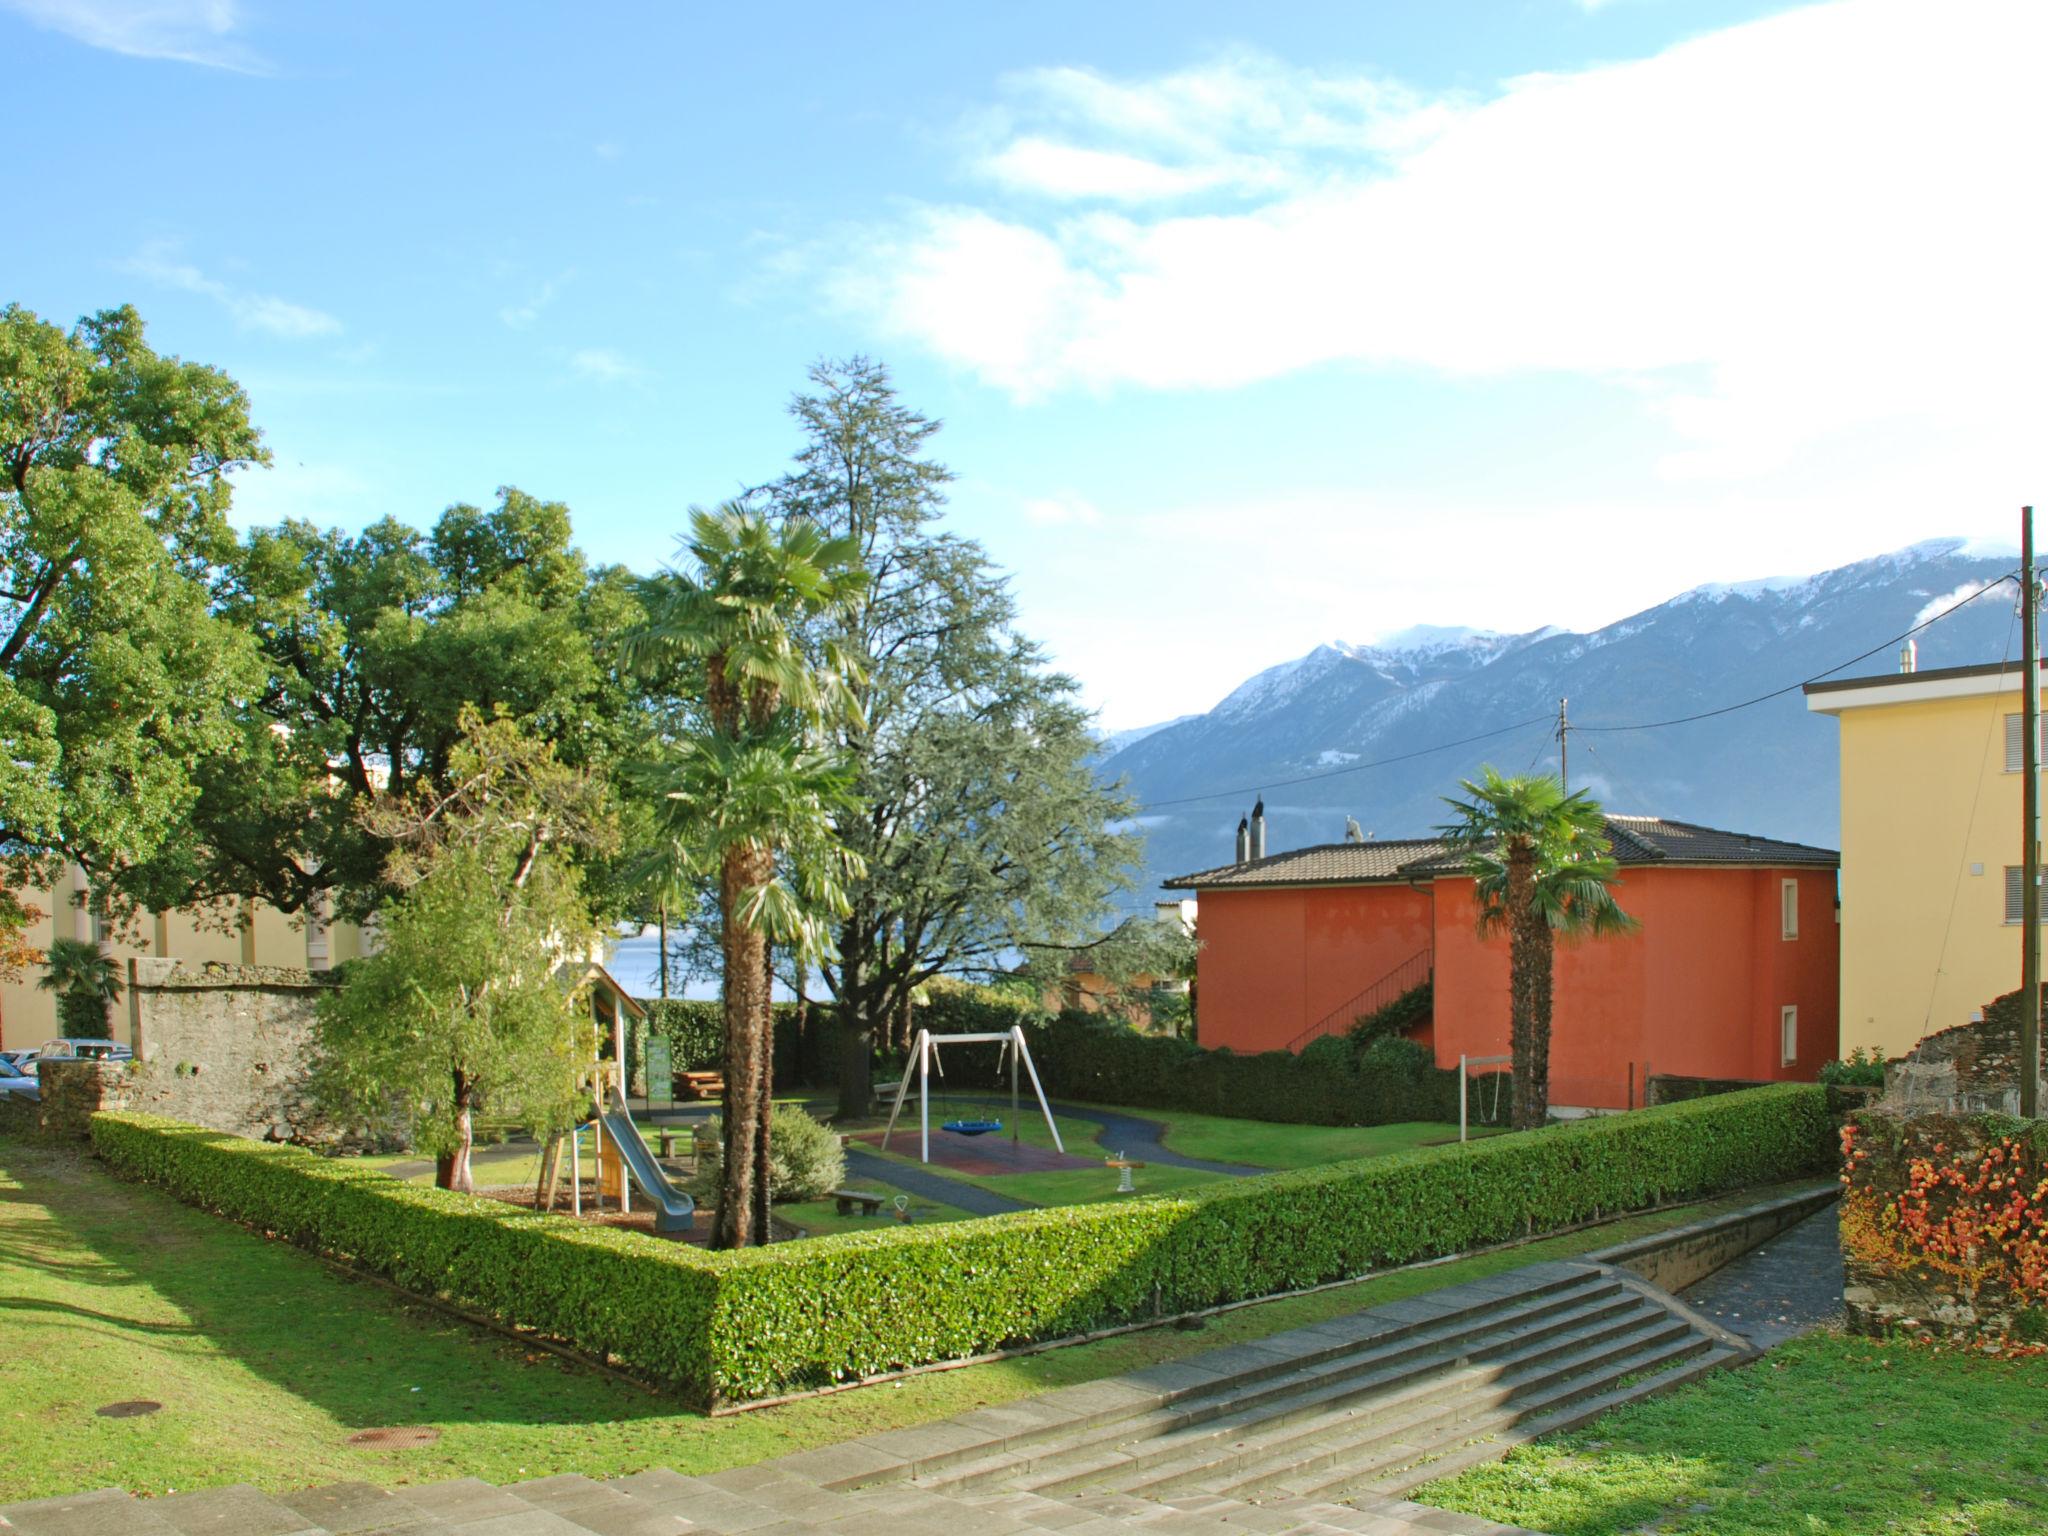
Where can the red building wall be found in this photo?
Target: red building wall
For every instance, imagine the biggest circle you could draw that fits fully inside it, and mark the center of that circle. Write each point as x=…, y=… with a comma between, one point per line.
x=1276, y=960
x=1697, y=991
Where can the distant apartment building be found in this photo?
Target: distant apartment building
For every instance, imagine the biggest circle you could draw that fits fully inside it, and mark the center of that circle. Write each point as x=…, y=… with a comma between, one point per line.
x=250, y=933
x=1931, y=847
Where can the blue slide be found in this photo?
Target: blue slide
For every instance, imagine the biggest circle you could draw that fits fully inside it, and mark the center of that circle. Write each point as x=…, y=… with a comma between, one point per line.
x=673, y=1210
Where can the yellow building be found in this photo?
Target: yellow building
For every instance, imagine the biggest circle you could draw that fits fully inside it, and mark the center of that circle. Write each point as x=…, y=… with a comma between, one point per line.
x=253, y=934
x=1930, y=848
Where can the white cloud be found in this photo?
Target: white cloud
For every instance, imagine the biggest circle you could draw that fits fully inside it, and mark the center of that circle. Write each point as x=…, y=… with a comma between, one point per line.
x=1061, y=512
x=187, y=31
x=520, y=316
x=251, y=311
x=606, y=366
x=1779, y=234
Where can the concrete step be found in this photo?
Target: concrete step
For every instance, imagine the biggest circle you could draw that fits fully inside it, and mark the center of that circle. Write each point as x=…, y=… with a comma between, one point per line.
x=1367, y=1348
x=1421, y=1407
x=1190, y=1457
x=101, y=1512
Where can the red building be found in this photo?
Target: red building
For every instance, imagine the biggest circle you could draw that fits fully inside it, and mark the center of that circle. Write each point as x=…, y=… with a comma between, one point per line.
x=1733, y=973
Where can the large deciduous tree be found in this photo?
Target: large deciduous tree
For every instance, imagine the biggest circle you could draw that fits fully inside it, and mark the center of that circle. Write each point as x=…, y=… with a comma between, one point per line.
x=1543, y=869
x=376, y=643
x=983, y=827
x=118, y=670
x=747, y=795
x=465, y=1006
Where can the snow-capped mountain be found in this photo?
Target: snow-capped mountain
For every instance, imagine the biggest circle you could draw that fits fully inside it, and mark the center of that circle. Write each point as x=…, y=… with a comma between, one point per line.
x=1768, y=769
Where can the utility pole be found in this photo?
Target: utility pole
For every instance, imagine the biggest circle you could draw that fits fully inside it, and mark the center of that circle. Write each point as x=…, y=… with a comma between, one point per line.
x=1564, y=728
x=2030, y=825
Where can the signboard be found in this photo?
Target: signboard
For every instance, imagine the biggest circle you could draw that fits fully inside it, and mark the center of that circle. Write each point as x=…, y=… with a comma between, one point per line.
x=661, y=1077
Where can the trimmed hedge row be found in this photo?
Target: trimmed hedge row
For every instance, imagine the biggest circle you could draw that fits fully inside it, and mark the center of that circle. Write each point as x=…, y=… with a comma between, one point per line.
x=742, y=1325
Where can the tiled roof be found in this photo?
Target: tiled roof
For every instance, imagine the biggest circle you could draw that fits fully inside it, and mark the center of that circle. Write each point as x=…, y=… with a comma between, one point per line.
x=1635, y=840
x=1325, y=864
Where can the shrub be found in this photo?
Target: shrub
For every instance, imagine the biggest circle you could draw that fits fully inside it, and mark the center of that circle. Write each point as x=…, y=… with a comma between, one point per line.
x=805, y=1159
x=806, y=1051
x=1861, y=1068
x=761, y=1321
x=1332, y=1082
x=1413, y=1007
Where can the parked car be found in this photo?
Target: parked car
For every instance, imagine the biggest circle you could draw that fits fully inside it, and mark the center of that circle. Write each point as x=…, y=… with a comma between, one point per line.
x=82, y=1050
x=18, y=1059
x=17, y=1084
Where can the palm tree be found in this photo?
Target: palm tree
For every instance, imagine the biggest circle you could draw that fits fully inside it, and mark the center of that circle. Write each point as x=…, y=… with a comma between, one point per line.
x=745, y=795
x=85, y=981
x=1543, y=869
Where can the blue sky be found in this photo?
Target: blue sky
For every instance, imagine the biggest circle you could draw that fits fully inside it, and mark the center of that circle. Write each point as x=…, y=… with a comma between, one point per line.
x=1249, y=329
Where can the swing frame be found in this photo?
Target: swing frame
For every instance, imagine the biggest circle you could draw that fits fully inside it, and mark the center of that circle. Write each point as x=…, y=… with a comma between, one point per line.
x=924, y=1057
x=1465, y=1064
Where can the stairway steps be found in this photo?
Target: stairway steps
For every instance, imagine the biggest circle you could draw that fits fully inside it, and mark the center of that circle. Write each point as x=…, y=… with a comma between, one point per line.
x=1179, y=1460
x=1479, y=1451
x=1396, y=1469
x=1416, y=1414
x=1391, y=1353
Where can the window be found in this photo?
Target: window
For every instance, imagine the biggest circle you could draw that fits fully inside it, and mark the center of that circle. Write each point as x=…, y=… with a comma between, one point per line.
x=2015, y=891
x=2015, y=743
x=1788, y=1033
x=1788, y=909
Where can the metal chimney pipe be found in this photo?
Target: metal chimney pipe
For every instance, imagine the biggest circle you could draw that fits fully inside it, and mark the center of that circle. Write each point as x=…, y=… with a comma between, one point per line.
x=1259, y=829
x=1244, y=840
x=1909, y=656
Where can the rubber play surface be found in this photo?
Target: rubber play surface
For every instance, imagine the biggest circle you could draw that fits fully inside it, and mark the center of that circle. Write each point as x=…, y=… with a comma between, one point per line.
x=981, y=1155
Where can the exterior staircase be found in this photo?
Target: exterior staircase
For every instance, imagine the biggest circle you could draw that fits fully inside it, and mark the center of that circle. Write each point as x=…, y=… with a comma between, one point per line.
x=1317, y=1432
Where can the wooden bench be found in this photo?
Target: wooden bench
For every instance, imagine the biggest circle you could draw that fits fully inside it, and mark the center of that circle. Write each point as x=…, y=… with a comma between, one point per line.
x=702, y=1085
x=847, y=1199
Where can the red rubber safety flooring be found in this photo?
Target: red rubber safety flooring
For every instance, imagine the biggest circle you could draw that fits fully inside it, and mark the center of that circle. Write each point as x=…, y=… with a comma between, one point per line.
x=981, y=1155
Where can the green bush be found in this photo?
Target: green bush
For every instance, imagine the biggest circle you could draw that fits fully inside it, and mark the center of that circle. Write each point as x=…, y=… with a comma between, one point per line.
x=1413, y=1007
x=806, y=1050
x=805, y=1159
x=750, y=1324
x=1331, y=1082
x=1861, y=1068
x=646, y=1303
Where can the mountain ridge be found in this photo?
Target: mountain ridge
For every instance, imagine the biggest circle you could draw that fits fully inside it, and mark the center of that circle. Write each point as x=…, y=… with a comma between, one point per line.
x=1768, y=769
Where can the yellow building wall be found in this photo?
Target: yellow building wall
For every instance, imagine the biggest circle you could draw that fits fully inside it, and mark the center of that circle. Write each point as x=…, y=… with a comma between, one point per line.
x=28, y=1014
x=1930, y=820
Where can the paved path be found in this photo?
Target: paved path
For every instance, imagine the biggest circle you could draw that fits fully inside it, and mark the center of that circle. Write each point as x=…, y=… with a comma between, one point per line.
x=865, y=1167
x=1139, y=1139
x=1791, y=1284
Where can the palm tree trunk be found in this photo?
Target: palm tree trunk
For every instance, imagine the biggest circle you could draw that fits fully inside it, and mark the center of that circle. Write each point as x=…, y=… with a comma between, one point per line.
x=764, y=1123
x=1528, y=989
x=451, y=1169
x=745, y=1007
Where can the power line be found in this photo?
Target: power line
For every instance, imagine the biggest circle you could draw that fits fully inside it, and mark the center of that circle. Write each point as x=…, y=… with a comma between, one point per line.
x=1778, y=693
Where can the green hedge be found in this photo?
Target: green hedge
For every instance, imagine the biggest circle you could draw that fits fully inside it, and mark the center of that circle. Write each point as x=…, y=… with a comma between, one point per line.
x=750, y=1324
x=1337, y=1080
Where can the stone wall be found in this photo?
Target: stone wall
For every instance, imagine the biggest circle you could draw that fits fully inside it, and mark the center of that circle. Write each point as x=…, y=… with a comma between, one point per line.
x=1944, y=1228
x=1969, y=1070
x=229, y=1047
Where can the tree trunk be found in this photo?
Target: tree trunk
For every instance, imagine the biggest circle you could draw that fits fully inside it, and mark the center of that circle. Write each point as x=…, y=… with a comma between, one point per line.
x=745, y=1007
x=1529, y=954
x=856, y=1031
x=764, y=1189
x=451, y=1169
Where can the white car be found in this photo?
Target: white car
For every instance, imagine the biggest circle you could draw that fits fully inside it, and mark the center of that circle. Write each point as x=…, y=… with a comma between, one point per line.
x=82, y=1050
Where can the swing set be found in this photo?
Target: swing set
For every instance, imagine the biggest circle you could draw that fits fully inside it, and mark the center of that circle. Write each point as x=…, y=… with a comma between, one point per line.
x=925, y=1060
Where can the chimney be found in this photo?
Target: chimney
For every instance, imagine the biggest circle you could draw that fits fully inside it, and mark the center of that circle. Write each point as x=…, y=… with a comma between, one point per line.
x=1259, y=828
x=1909, y=656
x=1244, y=840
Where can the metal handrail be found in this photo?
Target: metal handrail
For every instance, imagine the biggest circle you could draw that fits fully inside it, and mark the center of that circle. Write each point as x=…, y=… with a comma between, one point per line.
x=1411, y=973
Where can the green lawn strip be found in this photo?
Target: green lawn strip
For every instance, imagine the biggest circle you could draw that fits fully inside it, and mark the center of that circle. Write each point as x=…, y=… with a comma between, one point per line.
x=1827, y=1434
x=266, y=1359
x=821, y=1218
x=1219, y=1139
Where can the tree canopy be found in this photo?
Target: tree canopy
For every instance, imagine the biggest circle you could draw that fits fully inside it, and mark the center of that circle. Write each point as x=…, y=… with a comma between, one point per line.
x=118, y=671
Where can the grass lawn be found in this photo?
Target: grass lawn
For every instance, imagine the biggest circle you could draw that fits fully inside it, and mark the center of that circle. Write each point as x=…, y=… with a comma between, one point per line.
x=266, y=1360
x=1826, y=1434
x=1218, y=1139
